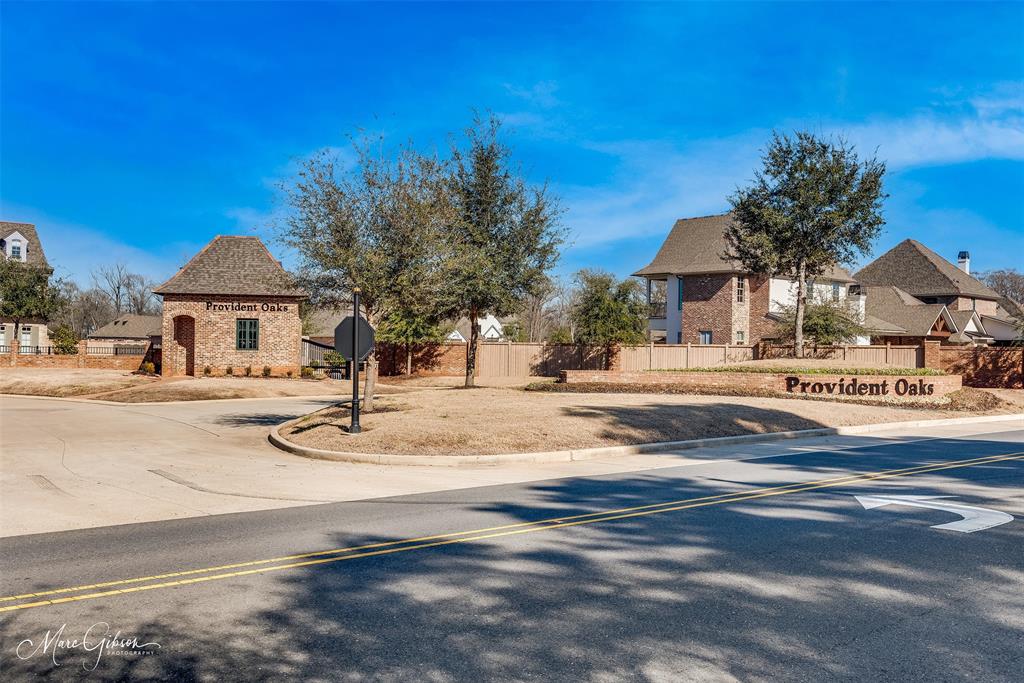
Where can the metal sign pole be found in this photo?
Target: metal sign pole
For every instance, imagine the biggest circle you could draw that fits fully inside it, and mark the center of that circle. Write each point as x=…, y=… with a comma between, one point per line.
x=354, y=428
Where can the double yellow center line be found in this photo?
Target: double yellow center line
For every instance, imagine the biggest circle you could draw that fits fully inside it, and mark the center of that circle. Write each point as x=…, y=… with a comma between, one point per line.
x=226, y=571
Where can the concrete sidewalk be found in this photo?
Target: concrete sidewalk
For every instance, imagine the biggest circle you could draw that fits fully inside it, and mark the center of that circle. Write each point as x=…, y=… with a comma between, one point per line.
x=73, y=465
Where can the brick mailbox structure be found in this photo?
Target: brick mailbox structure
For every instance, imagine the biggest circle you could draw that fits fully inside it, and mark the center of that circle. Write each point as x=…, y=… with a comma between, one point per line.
x=231, y=306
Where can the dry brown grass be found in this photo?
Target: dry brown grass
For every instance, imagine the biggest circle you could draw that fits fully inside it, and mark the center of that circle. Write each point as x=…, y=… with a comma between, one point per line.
x=501, y=420
x=203, y=388
x=66, y=382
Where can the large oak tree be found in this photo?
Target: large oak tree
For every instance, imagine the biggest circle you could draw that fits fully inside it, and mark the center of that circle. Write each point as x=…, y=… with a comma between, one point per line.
x=814, y=204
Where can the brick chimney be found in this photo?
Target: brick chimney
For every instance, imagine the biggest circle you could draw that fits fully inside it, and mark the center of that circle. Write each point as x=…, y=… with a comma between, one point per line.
x=963, y=261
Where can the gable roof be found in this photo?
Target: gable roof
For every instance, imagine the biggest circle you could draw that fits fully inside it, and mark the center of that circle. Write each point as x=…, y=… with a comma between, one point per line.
x=696, y=246
x=899, y=310
x=130, y=327
x=34, y=253
x=920, y=271
x=232, y=264
x=323, y=319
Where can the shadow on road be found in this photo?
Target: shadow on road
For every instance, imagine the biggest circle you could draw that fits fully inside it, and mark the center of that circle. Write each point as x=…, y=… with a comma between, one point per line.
x=806, y=586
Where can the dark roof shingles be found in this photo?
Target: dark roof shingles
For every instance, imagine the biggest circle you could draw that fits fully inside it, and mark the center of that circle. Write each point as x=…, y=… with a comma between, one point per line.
x=234, y=265
x=696, y=246
x=916, y=269
x=34, y=253
x=130, y=327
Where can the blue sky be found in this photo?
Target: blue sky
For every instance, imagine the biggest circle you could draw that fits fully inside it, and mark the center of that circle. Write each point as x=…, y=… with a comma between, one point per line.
x=136, y=132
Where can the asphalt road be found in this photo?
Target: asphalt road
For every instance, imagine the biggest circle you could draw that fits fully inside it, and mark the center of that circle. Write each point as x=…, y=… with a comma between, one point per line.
x=759, y=570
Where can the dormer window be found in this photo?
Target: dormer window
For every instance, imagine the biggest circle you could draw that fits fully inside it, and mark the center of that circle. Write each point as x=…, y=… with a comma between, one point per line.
x=16, y=250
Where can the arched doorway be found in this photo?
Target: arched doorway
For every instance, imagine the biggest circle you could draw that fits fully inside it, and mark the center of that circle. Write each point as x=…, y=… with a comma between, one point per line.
x=184, y=345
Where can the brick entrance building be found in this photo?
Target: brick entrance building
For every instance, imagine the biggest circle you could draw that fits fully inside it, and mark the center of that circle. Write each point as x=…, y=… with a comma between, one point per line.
x=231, y=306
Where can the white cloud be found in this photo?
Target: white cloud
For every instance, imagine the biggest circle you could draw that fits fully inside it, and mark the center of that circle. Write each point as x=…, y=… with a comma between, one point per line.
x=540, y=94
x=658, y=181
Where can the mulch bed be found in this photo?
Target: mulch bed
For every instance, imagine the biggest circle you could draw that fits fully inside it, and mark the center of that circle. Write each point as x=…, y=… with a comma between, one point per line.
x=963, y=400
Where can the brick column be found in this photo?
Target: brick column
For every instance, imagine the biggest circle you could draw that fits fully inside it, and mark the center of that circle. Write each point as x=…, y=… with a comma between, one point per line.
x=83, y=349
x=932, y=355
x=614, y=363
x=15, y=349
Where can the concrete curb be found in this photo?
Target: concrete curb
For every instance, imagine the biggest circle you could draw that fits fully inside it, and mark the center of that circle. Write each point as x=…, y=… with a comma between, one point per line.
x=607, y=451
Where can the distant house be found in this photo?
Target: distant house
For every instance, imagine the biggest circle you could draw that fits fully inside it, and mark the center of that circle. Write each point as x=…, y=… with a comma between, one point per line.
x=20, y=242
x=319, y=324
x=491, y=329
x=128, y=330
x=912, y=288
x=698, y=296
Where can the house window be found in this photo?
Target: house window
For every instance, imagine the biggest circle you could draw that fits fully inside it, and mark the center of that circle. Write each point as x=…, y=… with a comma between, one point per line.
x=657, y=292
x=247, y=334
x=705, y=336
x=741, y=288
x=835, y=291
x=741, y=337
x=679, y=337
x=680, y=303
x=26, y=335
x=16, y=250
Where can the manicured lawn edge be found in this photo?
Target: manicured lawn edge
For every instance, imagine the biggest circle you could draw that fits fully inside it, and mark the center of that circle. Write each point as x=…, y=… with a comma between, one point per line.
x=924, y=372
x=605, y=451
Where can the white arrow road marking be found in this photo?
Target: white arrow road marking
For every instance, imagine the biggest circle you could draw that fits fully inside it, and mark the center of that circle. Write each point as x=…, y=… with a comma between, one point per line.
x=974, y=518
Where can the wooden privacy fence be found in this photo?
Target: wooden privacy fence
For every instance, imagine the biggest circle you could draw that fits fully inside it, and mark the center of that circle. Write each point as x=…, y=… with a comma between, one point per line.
x=524, y=359
x=676, y=356
x=899, y=356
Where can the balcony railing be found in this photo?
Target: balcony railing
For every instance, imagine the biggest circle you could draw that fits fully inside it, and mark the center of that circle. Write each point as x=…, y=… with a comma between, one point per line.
x=656, y=309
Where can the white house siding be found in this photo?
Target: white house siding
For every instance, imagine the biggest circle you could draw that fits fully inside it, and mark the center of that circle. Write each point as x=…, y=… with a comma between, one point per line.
x=999, y=330
x=782, y=292
x=673, y=316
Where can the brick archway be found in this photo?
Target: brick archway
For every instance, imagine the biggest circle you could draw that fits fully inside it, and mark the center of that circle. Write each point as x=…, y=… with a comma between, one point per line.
x=184, y=362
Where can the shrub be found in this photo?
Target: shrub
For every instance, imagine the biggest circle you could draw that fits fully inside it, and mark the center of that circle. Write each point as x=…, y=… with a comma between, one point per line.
x=248, y=371
x=149, y=368
x=229, y=370
x=307, y=372
x=266, y=371
x=207, y=371
x=333, y=358
x=64, y=340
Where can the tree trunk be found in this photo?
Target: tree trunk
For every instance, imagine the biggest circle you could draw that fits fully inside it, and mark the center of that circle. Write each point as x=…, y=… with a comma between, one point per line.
x=471, y=350
x=408, y=359
x=370, y=383
x=801, y=303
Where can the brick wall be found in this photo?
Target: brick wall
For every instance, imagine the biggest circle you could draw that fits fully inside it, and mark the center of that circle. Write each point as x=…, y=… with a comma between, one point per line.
x=761, y=326
x=707, y=305
x=997, y=366
x=428, y=359
x=740, y=319
x=71, y=360
x=886, y=387
x=197, y=335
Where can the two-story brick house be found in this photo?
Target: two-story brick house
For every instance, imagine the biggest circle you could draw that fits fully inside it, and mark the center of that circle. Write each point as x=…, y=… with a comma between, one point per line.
x=907, y=283
x=20, y=242
x=698, y=296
